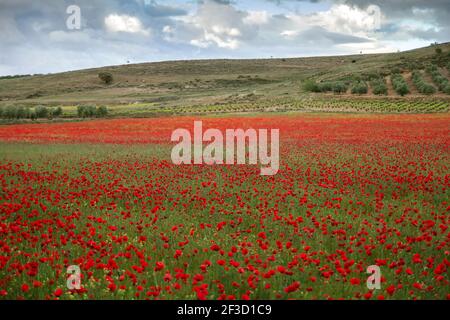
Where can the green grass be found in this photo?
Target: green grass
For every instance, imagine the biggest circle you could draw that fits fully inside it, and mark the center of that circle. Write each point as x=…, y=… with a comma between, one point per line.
x=130, y=179
x=176, y=84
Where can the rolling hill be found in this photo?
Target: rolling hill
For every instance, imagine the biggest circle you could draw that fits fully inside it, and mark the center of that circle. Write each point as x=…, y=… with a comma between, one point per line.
x=155, y=87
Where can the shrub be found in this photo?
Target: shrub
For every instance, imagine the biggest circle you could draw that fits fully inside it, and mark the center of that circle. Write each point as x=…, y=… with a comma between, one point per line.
x=399, y=84
x=106, y=77
x=326, y=86
x=438, y=50
x=101, y=112
x=86, y=111
x=9, y=112
x=339, y=87
x=92, y=111
x=22, y=113
x=446, y=89
x=440, y=81
x=359, y=88
x=57, y=112
x=310, y=86
x=41, y=112
x=379, y=87
x=421, y=85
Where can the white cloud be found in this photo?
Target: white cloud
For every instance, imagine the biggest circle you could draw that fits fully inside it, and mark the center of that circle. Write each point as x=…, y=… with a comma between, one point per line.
x=218, y=25
x=256, y=18
x=125, y=23
x=34, y=38
x=348, y=19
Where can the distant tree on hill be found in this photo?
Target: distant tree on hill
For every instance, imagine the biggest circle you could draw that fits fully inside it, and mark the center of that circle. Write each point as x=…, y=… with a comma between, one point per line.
x=106, y=77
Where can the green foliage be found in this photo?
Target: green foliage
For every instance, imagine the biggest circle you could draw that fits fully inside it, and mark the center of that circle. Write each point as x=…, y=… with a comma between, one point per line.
x=92, y=111
x=399, y=84
x=86, y=111
x=360, y=88
x=57, y=112
x=326, y=86
x=396, y=70
x=310, y=86
x=340, y=87
x=106, y=77
x=41, y=112
x=422, y=86
x=441, y=82
x=379, y=86
x=101, y=112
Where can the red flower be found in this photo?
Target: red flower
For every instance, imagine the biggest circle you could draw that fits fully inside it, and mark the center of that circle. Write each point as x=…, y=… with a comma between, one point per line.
x=292, y=287
x=58, y=292
x=159, y=266
x=391, y=289
x=112, y=286
x=221, y=262
x=215, y=247
x=178, y=253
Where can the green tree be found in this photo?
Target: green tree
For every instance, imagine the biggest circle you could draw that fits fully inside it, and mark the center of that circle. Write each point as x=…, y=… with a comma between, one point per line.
x=106, y=77
x=101, y=112
x=41, y=112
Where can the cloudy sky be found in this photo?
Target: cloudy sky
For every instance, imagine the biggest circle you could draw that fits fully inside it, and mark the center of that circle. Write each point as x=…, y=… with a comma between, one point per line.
x=38, y=36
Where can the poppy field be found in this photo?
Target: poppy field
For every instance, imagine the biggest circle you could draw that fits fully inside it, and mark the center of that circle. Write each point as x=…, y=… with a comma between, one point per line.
x=352, y=191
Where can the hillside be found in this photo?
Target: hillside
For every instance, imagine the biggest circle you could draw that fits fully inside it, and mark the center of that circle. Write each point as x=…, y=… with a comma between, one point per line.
x=186, y=84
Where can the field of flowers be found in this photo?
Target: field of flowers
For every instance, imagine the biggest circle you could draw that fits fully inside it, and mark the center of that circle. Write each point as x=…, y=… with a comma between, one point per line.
x=352, y=191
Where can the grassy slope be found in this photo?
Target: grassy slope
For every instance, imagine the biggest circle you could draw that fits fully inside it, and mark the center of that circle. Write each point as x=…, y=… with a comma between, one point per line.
x=201, y=82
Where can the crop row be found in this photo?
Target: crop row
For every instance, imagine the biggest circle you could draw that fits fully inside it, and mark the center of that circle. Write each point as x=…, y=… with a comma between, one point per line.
x=399, y=84
x=379, y=86
x=327, y=86
x=338, y=105
x=441, y=82
x=421, y=85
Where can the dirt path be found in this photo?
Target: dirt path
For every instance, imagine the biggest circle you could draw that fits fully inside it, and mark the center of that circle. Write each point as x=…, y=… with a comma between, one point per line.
x=369, y=89
x=390, y=88
x=445, y=72
x=411, y=85
x=427, y=78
